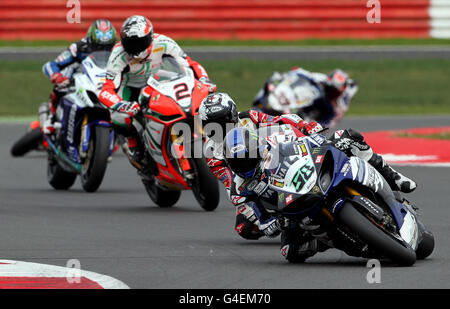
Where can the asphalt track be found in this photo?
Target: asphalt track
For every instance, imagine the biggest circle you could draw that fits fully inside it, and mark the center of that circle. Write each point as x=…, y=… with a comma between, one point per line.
x=118, y=232
x=265, y=52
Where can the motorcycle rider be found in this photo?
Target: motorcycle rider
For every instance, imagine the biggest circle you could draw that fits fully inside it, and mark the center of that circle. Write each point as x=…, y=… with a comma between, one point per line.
x=139, y=52
x=252, y=221
x=101, y=35
x=218, y=112
x=335, y=92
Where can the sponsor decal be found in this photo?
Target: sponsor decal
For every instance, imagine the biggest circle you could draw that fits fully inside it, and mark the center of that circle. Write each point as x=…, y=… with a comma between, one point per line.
x=252, y=185
x=260, y=188
x=237, y=148
x=285, y=250
x=338, y=133
x=159, y=49
x=237, y=199
x=319, y=159
x=239, y=228
x=289, y=199
x=254, y=116
x=345, y=169
x=277, y=182
x=304, y=150
x=319, y=139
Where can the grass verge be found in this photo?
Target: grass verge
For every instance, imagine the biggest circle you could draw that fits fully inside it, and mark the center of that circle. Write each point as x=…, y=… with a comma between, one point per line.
x=387, y=87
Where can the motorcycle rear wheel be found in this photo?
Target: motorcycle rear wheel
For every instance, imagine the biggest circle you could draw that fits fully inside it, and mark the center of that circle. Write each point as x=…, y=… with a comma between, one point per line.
x=160, y=196
x=57, y=177
x=30, y=141
x=375, y=237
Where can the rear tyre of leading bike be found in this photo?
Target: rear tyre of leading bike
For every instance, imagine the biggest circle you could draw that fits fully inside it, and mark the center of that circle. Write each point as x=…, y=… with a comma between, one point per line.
x=159, y=195
x=30, y=141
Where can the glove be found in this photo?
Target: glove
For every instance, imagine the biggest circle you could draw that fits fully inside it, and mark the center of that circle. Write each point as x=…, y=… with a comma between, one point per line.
x=60, y=80
x=312, y=128
x=270, y=227
x=130, y=108
x=49, y=126
x=207, y=82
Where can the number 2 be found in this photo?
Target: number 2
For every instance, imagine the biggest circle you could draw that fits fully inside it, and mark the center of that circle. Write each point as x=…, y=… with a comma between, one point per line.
x=180, y=94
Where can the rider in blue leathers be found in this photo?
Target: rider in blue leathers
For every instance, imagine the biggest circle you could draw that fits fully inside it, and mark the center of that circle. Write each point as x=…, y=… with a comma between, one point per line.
x=101, y=35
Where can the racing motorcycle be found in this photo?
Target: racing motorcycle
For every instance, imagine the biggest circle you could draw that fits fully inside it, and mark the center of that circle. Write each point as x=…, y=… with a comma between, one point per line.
x=85, y=140
x=296, y=94
x=173, y=139
x=341, y=201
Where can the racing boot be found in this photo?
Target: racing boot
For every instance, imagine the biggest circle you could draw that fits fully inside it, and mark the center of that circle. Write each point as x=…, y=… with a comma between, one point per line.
x=297, y=245
x=135, y=153
x=396, y=181
x=137, y=157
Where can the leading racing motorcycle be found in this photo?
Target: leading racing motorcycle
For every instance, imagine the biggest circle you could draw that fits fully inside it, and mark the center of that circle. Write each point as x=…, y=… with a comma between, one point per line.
x=172, y=136
x=342, y=201
x=85, y=140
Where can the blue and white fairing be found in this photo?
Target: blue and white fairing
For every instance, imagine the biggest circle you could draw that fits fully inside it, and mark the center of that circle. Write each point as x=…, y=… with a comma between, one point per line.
x=73, y=106
x=298, y=176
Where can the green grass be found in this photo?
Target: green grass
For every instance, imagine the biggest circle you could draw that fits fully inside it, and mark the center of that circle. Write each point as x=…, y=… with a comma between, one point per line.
x=442, y=135
x=387, y=87
x=305, y=42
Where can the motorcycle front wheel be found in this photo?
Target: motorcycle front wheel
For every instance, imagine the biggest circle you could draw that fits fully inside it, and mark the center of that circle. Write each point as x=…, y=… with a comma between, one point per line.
x=96, y=160
x=206, y=188
x=375, y=237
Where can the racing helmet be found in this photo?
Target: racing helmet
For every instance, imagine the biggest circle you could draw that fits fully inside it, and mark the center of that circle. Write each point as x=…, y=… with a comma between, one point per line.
x=136, y=36
x=336, y=84
x=242, y=151
x=101, y=35
x=218, y=108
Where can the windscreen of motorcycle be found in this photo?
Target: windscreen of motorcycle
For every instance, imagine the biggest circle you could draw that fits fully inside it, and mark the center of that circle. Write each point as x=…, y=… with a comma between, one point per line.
x=94, y=67
x=296, y=173
x=173, y=80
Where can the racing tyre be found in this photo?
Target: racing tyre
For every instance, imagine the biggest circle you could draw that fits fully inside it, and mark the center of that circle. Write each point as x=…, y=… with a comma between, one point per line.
x=96, y=159
x=206, y=190
x=159, y=195
x=58, y=178
x=30, y=141
x=426, y=246
x=375, y=237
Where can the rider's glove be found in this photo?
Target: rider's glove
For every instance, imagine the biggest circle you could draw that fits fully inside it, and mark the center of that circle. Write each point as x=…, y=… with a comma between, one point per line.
x=211, y=86
x=312, y=128
x=60, y=80
x=49, y=126
x=270, y=227
x=130, y=108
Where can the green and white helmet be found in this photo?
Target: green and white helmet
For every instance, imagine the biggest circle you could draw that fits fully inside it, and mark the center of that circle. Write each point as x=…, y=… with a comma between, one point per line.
x=101, y=35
